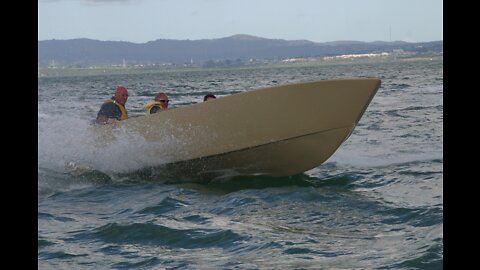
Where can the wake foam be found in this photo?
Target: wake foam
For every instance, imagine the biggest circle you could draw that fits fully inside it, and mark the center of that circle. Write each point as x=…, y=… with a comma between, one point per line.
x=66, y=144
x=362, y=160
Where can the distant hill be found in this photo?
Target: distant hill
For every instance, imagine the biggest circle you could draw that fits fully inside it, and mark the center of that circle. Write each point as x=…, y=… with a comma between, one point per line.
x=86, y=52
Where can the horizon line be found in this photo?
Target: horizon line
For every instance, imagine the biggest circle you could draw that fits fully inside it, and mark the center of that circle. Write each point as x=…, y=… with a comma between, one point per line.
x=242, y=36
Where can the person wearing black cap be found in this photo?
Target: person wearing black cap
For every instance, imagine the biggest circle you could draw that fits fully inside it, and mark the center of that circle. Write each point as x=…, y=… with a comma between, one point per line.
x=209, y=97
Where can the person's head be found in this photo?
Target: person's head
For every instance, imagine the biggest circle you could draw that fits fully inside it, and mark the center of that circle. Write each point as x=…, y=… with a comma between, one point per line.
x=209, y=97
x=121, y=95
x=162, y=98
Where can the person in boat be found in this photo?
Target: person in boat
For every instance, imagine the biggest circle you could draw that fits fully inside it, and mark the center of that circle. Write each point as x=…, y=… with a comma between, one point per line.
x=113, y=109
x=160, y=103
x=209, y=97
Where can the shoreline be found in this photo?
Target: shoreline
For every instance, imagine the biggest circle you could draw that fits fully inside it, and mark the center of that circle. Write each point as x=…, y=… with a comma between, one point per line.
x=49, y=72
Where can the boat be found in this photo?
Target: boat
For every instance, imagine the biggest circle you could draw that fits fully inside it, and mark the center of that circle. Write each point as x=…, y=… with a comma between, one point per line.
x=275, y=131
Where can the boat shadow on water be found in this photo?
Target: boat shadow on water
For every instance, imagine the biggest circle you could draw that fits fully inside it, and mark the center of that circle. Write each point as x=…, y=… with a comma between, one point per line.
x=227, y=181
x=189, y=175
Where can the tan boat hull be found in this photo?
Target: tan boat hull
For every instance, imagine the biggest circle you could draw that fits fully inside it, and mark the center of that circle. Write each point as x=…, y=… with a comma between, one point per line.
x=278, y=131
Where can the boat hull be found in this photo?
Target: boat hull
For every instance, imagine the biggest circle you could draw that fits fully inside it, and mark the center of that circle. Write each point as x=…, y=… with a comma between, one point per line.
x=283, y=158
x=278, y=131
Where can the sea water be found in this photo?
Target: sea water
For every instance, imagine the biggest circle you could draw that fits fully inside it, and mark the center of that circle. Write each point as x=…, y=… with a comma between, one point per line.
x=377, y=203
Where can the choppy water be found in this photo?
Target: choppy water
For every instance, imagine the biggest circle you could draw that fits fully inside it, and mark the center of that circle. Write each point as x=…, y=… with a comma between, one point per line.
x=377, y=203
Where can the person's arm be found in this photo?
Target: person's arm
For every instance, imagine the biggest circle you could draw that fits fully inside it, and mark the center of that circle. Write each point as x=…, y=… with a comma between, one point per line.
x=108, y=114
x=154, y=109
x=102, y=120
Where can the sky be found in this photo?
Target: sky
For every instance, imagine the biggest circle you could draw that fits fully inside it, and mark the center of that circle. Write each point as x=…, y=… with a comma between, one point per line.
x=140, y=21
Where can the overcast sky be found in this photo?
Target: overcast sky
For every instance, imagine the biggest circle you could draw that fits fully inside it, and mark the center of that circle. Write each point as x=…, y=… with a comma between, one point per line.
x=140, y=21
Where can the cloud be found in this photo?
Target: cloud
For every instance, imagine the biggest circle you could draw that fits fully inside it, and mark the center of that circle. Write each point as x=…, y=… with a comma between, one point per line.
x=109, y=1
x=97, y=1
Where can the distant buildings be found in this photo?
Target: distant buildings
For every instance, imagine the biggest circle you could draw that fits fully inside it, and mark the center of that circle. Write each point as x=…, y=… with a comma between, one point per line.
x=351, y=56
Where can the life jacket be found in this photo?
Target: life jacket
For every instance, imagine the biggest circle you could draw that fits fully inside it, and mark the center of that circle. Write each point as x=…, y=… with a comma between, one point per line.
x=121, y=107
x=152, y=104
